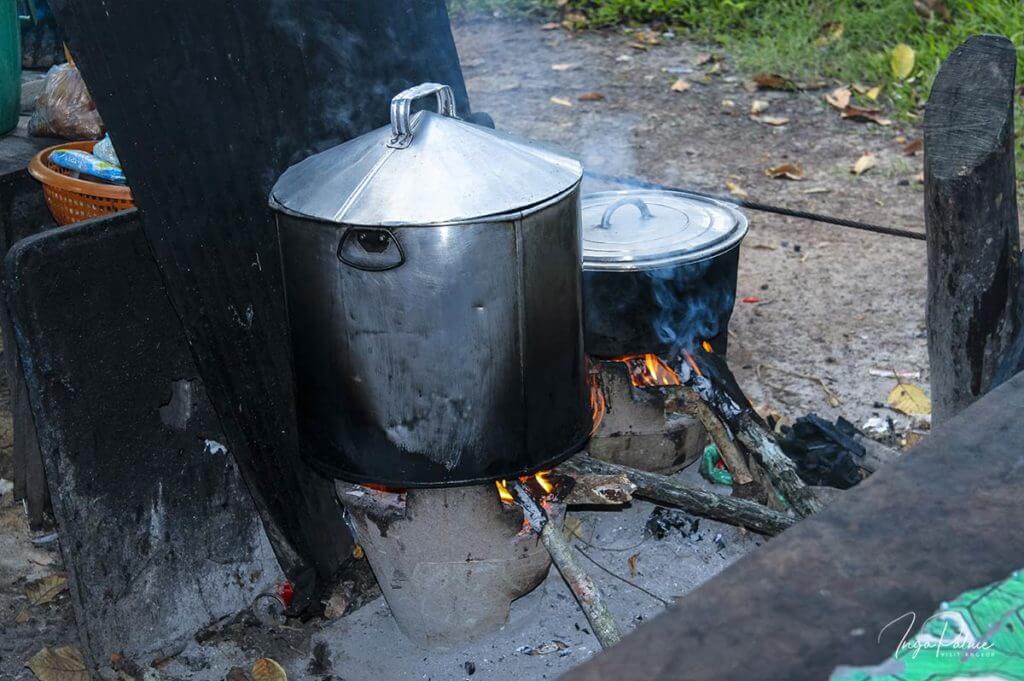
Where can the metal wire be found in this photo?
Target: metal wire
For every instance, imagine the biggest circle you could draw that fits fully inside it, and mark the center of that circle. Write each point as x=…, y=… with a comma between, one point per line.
x=754, y=205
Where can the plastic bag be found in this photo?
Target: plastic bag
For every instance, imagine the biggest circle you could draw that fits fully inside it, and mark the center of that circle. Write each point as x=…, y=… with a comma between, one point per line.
x=65, y=109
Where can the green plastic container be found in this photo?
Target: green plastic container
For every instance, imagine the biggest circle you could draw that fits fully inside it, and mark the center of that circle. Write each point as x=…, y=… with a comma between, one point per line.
x=10, y=65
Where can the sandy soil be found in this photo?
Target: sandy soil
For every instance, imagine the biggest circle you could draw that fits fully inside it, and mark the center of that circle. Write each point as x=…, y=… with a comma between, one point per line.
x=834, y=304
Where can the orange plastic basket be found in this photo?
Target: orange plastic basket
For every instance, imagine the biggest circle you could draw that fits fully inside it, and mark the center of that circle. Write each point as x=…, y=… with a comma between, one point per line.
x=72, y=199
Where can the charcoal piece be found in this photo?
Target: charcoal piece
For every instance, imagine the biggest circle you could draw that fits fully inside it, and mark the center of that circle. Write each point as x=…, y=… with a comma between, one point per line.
x=664, y=521
x=824, y=453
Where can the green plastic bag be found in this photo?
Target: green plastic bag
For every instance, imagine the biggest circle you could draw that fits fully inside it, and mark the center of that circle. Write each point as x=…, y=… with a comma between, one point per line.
x=713, y=468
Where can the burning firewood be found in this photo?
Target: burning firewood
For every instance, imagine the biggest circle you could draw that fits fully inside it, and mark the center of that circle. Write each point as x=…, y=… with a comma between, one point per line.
x=583, y=587
x=727, y=449
x=664, y=490
x=707, y=376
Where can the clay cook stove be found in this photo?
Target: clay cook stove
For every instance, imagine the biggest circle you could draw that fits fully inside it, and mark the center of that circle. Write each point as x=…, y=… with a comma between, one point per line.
x=449, y=561
x=433, y=279
x=659, y=278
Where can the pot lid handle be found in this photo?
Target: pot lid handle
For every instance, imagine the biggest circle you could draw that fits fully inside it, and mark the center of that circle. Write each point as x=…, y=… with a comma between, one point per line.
x=645, y=212
x=401, y=132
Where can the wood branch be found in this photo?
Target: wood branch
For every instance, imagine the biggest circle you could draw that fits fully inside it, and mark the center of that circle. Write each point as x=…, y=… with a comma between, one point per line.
x=592, y=489
x=582, y=585
x=876, y=455
x=664, y=490
x=755, y=436
x=971, y=220
x=730, y=454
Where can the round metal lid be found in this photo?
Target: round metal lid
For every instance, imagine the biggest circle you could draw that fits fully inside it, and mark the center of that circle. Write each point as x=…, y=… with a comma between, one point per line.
x=644, y=229
x=425, y=168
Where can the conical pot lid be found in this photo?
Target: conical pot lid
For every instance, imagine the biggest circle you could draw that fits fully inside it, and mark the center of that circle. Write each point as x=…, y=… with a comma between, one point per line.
x=642, y=229
x=425, y=168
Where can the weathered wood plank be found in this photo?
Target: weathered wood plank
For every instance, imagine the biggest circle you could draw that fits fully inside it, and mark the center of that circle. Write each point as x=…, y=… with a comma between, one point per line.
x=971, y=220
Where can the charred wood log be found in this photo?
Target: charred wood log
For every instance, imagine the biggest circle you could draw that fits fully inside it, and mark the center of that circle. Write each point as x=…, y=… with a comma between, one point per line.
x=971, y=219
x=583, y=587
x=706, y=377
x=664, y=490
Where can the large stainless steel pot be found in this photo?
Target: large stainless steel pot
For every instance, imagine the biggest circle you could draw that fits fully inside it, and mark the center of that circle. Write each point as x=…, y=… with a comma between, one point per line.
x=659, y=271
x=432, y=270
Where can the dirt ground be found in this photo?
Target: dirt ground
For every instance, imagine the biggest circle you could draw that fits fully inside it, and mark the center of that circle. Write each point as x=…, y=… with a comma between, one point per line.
x=833, y=305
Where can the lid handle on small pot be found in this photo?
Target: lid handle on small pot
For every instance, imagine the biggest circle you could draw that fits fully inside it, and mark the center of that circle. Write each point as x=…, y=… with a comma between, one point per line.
x=401, y=132
x=645, y=212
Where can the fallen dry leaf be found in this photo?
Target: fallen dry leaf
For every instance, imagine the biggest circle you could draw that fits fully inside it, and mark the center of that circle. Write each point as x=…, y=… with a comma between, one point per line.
x=928, y=9
x=647, y=37
x=913, y=147
x=560, y=101
x=728, y=104
x=564, y=67
x=839, y=98
x=771, y=120
x=23, y=616
x=873, y=93
x=632, y=564
x=266, y=669
x=863, y=164
x=591, y=97
x=736, y=190
x=46, y=589
x=830, y=32
x=715, y=68
x=550, y=26
x=772, y=81
x=357, y=552
x=785, y=171
x=59, y=664
x=909, y=399
x=680, y=85
x=702, y=58
x=901, y=61
x=757, y=106
x=862, y=115
x=639, y=46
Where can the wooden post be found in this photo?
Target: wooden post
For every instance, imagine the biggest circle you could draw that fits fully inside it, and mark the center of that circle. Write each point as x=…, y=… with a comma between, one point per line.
x=971, y=219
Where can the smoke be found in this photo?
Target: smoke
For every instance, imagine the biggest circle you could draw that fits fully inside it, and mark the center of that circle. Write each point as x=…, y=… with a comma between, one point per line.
x=692, y=303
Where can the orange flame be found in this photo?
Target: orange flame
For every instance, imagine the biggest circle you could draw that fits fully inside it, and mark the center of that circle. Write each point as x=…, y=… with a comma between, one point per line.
x=503, y=493
x=541, y=478
x=598, y=406
x=707, y=346
x=693, y=363
x=648, y=371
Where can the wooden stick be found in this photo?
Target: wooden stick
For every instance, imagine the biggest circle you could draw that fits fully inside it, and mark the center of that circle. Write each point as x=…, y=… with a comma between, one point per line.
x=582, y=585
x=727, y=449
x=665, y=490
x=757, y=439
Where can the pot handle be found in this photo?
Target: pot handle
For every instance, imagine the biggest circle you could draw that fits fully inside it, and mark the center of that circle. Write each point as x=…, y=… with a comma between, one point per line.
x=401, y=132
x=645, y=212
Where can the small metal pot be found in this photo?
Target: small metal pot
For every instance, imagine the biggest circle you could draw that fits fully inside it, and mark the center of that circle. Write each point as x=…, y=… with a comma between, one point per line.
x=659, y=271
